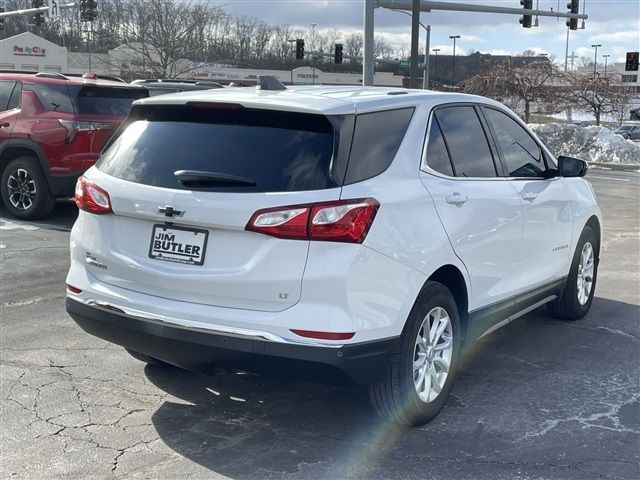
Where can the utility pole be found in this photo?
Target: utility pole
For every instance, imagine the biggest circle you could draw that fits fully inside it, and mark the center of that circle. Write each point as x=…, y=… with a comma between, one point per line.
x=453, y=68
x=367, y=46
x=415, y=35
x=606, y=58
x=425, y=76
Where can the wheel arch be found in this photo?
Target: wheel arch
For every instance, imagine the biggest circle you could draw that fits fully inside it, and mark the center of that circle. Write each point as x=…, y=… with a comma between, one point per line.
x=594, y=224
x=11, y=149
x=451, y=277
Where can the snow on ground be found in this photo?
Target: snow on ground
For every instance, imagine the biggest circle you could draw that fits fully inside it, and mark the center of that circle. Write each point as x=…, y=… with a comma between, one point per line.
x=593, y=144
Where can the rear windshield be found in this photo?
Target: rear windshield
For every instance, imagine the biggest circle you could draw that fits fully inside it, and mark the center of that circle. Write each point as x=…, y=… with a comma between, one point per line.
x=93, y=100
x=273, y=151
x=105, y=100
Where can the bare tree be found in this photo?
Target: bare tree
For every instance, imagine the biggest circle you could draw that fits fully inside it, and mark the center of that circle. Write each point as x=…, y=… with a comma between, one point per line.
x=353, y=44
x=525, y=85
x=598, y=95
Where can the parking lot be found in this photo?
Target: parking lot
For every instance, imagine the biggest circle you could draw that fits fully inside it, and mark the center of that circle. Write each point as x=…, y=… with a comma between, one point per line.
x=538, y=398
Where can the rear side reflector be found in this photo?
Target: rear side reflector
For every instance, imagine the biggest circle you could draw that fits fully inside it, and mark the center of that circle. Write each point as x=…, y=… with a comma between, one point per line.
x=73, y=289
x=339, y=221
x=91, y=198
x=324, y=335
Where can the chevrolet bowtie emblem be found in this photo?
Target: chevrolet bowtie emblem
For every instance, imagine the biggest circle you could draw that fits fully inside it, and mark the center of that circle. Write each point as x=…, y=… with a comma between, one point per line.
x=169, y=211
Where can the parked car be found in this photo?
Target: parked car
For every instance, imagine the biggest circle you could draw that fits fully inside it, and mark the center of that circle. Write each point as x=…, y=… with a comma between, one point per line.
x=629, y=131
x=161, y=87
x=371, y=232
x=52, y=128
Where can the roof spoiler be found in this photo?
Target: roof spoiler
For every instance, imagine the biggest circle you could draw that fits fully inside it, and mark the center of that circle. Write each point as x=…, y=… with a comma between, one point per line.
x=269, y=82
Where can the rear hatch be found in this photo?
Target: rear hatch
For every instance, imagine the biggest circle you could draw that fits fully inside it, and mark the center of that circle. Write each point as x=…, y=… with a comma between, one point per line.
x=183, y=236
x=99, y=111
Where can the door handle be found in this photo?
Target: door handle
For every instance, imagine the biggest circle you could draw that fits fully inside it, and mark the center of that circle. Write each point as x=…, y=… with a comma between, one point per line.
x=457, y=199
x=4, y=124
x=531, y=196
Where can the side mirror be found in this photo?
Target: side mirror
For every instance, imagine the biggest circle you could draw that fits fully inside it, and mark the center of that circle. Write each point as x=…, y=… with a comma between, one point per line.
x=572, y=167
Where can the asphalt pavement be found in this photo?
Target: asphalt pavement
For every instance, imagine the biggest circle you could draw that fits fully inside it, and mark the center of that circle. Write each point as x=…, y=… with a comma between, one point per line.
x=539, y=398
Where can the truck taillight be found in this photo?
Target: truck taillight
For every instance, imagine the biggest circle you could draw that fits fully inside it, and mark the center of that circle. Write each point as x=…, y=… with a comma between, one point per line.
x=339, y=221
x=91, y=198
x=73, y=127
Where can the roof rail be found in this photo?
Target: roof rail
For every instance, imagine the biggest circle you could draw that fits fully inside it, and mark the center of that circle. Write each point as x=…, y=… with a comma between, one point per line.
x=51, y=75
x=99, y=76
x=269, y=82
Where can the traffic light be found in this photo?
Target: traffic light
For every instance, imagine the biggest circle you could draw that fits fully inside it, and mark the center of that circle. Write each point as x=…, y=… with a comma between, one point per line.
x=38, y=18
x=337, y=54
x=525, y=21
x=88, y=10
x=632, y=62
x=299, y=49
x=573, y=6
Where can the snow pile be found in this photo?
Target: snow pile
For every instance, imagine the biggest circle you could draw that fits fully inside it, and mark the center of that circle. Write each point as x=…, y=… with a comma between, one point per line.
x=593, y=144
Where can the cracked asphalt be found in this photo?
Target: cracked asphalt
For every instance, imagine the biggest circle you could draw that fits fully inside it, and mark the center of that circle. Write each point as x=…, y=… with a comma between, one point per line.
x=539, y=398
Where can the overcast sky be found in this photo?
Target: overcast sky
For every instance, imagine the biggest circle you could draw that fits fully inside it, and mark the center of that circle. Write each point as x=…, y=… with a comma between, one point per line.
x=613, y=23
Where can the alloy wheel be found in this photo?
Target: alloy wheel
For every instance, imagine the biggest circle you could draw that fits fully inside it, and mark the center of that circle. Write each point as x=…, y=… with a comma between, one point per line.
x=433, y=353
x=585, y=273
x=22, y=189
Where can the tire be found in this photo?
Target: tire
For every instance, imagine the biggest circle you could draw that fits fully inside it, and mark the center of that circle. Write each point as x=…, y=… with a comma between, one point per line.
x=24, y=189
x=396, y=398
x=574, y=304
x=146, y=358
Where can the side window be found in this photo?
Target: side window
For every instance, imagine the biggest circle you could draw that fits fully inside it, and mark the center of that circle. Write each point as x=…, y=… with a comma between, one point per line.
x=6, y=87
x=376, y=139
x=53, y=97
x=464, y=135
x=521, y=154
x=437, y=155
x=14, y=99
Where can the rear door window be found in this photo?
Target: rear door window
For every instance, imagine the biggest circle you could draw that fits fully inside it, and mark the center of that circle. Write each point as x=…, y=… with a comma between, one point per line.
x=521, y=154
x=98, y=100
x=466, y=141
x=14, y=99
x=278, y=151
x=376, y=139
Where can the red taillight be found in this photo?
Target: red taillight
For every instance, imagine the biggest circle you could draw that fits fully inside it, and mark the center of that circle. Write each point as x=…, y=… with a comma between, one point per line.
x=91, y=198
x=324, y=335
x=340, y=221
x=72, y=127
x=73, y=289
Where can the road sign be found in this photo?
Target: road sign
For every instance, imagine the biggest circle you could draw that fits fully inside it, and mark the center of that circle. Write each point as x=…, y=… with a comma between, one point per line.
x=54, y=8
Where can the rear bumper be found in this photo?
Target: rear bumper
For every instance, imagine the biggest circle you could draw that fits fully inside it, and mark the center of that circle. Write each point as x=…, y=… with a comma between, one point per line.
x=195, y=349
x=62, y=186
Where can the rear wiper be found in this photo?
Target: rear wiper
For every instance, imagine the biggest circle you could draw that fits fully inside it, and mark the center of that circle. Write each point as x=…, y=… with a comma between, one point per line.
x=197, y=178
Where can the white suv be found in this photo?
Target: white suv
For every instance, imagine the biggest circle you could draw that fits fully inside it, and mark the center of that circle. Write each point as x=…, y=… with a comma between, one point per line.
x=371, y=233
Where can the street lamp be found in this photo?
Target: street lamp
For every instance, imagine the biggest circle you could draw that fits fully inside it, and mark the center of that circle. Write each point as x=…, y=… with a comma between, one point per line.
x=425, y=75
x=313, y=57
x=435, y=67
x=606, y=58
x=595, y=59
x=453, y=69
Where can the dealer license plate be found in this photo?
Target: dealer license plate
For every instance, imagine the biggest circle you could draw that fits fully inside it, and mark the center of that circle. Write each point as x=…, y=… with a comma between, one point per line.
x=178, y=244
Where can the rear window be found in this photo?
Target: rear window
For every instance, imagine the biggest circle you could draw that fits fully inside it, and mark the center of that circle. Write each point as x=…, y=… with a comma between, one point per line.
x=278, y=151
x=95, y=100
x=376, y=139
x=92, y=100
x=54, y=97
